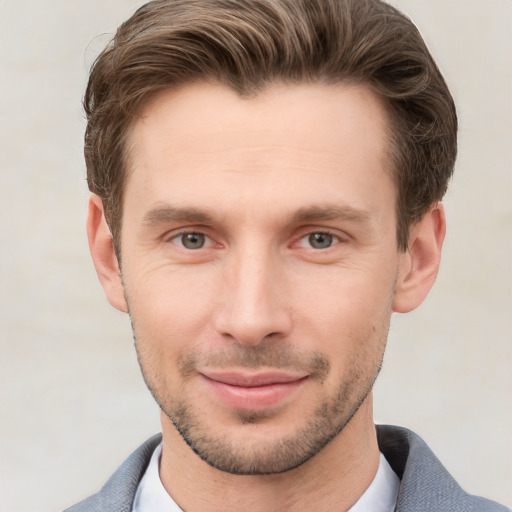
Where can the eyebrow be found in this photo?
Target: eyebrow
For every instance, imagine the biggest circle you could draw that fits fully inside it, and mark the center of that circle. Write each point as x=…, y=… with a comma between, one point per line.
x=167, y=214
x=319, y=213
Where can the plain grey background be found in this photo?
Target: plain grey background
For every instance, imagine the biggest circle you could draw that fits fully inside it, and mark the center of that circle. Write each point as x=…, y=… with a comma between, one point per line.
x=72, y=403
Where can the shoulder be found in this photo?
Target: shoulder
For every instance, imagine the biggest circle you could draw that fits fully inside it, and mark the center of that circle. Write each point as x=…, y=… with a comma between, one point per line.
x=118, y=493
x=425, y=483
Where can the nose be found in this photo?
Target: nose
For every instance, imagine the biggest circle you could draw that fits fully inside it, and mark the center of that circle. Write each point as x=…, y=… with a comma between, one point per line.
x=253, y=305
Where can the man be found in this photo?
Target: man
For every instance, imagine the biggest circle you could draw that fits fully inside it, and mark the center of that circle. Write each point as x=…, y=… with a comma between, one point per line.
x=266, y=179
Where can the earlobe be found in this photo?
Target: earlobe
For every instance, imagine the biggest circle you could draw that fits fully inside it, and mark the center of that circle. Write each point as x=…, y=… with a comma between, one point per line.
x=103, y=254
x=419, y=265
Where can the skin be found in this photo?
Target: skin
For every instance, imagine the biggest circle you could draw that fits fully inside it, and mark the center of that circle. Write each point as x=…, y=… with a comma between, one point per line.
x=294, y=269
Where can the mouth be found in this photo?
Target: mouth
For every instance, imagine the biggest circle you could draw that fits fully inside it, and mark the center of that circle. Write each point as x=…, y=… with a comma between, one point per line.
x=253, y=390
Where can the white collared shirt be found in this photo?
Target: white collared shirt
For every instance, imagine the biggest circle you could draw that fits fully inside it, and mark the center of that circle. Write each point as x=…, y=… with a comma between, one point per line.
x=151, y=495
x=381, y=496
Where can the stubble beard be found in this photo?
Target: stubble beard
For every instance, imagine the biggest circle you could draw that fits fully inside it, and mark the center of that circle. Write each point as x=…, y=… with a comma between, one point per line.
x=276, y=455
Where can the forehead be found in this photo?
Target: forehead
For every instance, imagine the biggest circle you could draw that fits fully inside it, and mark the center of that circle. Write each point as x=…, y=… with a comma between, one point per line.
x=286, y=113
x=298, y=140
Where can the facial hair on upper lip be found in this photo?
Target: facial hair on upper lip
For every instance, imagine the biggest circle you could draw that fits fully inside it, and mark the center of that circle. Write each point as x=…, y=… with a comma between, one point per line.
x=265, y=355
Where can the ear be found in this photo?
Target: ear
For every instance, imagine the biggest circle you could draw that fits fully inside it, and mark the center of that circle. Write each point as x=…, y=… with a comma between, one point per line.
x=104, y=255
x=419, y=265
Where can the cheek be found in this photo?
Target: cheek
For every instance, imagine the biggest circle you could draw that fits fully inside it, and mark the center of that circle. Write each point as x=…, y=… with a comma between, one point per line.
x=344, y=296
x=344, y=314
x=170, y=309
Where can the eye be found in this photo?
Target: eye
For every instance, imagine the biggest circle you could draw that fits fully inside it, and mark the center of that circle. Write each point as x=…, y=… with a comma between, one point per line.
x=318, y=240
x=191, y=241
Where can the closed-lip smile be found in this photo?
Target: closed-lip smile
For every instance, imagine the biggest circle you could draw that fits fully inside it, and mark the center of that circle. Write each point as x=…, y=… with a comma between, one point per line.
x=252, y=379
x=242, y=389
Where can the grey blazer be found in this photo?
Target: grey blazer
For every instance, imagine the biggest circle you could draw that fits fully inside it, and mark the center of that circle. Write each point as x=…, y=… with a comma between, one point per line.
x=425, y=485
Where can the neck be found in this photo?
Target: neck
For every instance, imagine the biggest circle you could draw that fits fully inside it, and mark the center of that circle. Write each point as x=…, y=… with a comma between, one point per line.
x=333, y=479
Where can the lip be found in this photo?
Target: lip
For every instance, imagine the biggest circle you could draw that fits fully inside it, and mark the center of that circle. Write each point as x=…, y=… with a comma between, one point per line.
x=253, y=391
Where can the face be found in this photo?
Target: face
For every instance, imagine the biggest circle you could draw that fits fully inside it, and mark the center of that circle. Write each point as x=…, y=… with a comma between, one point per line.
x=259, y=264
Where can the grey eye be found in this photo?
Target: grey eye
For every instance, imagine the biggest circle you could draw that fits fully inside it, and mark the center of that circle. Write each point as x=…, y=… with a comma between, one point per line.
x=192, y=240
x=320, y=240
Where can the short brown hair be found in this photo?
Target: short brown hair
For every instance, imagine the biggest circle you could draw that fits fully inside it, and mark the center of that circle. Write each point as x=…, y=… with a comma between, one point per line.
x=248, y=44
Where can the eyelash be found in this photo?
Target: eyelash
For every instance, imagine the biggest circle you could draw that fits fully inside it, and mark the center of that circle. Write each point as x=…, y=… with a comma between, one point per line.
x=179, y=236
x=335, y=239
